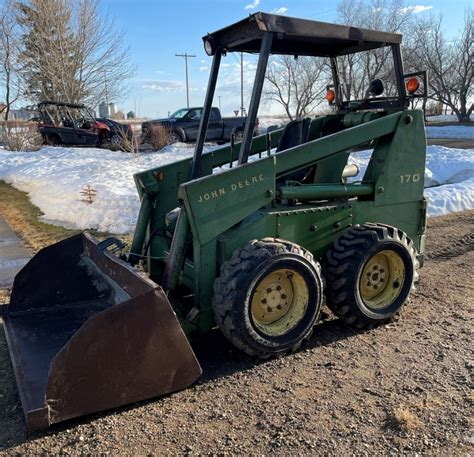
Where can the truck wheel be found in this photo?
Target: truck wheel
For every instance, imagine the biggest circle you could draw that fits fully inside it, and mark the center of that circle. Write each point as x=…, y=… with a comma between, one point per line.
x=268, y=297
x=174, y=137
x=370, y=272
x=239, y=136
x=51, y=140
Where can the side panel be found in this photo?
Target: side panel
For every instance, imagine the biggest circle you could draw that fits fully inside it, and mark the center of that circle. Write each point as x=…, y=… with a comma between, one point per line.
x=398, y=164
x=217, y=202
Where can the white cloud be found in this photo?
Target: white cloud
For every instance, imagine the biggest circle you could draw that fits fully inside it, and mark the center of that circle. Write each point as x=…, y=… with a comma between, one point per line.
x=164, y=86
x=282, y=10
x=414, y=9
x=203, y=68
x=252, y=5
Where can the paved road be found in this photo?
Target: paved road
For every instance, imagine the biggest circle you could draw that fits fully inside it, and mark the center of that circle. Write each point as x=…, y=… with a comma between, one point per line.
x=13, y=254
x=453, y=143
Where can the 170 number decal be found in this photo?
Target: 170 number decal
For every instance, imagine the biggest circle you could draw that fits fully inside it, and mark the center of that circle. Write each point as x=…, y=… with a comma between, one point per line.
x=404, y=179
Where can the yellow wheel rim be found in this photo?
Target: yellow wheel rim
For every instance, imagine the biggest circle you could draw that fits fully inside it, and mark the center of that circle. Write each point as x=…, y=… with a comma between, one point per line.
x=279, y=302
x=382, y=279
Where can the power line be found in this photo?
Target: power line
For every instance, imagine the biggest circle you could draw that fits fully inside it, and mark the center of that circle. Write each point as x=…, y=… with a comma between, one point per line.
x=186, y=56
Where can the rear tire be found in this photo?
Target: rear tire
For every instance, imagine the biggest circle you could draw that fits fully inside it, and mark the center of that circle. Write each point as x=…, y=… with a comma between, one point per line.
x=370, y=273
x=268, y=297
x=174, y=137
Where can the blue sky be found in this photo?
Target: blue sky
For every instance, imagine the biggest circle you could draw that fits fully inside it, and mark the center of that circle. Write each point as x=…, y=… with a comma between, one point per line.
x=156, y=30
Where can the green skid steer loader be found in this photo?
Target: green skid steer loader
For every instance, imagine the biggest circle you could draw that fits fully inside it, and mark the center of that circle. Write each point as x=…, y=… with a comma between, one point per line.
x=252, y=238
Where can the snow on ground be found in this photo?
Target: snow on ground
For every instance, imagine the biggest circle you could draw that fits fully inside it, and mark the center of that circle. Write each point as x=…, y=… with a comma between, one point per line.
x=54, y=178
x=449, y=178
x=451, y=131
x=446, y=118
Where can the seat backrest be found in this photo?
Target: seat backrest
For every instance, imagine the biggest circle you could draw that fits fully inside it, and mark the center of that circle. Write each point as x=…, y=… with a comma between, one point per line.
x=295, y=133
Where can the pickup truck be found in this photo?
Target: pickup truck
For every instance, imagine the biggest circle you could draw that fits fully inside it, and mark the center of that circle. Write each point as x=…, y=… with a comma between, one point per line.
x=183, y=126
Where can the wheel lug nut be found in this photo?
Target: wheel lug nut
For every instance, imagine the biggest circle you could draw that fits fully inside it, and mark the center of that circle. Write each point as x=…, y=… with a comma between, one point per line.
x=283, y=296
x=278, y=287
x=279, y=307
x=264, y=301
x=269, y=290
x=269, y=310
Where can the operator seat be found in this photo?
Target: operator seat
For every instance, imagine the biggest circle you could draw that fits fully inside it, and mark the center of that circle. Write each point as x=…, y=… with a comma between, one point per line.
x=295, y=133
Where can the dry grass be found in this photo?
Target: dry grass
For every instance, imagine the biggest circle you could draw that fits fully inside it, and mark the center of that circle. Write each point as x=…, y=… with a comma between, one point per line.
x=23, y=217
x=402, y=420
x=21, y=136
x=158, y=137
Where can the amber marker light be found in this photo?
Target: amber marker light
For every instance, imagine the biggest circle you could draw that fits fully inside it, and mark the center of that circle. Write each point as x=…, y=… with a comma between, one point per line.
x=330, y=95
x=413, y=85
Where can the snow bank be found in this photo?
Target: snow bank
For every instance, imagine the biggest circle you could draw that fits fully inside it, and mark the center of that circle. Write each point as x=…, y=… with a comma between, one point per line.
x=55, y=177
x=450, y=198
x=449, y=178
x=451, y=131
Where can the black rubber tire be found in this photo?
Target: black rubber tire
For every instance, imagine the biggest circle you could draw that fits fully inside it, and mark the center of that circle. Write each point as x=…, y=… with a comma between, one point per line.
x=175, y=137
x=233, y=291
x=51, y=140
x=239, y=136
x=345, y=262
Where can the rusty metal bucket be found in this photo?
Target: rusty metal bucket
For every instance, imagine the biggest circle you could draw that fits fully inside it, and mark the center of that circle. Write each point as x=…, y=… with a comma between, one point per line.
x=86, y=332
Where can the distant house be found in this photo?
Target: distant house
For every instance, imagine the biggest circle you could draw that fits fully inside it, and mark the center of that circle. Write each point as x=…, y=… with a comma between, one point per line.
x=131, y=115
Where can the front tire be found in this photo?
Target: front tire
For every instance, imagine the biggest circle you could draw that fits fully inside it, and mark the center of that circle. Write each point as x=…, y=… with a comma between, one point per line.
x=268, y=297
x=370, y=273
x=239, y=136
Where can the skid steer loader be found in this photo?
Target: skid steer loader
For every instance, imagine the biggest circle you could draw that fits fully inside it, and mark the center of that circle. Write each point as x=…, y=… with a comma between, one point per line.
x=252, y=238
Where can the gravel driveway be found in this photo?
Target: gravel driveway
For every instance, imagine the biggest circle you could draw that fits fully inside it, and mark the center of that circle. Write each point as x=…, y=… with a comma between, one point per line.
x=402, y=388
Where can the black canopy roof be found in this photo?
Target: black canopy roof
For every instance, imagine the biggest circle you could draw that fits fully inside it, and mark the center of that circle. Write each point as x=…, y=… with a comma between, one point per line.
x=297, y=36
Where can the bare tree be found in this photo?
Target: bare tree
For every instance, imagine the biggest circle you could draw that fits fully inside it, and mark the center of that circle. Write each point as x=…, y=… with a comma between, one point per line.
x=297, y=84
x=9, y=57
x=72, y=51
x=449, y=62
x=357, y=70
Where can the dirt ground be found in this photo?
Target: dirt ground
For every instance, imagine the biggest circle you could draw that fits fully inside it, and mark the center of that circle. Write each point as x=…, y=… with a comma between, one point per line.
x=403, y=388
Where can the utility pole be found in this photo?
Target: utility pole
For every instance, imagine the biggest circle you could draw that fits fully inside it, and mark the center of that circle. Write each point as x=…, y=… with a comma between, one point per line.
x=219, y=97
x=186, y=56
x=242, y=109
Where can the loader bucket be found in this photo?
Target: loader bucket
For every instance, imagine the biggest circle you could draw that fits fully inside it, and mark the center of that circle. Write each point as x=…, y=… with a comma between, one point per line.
x=86, y=332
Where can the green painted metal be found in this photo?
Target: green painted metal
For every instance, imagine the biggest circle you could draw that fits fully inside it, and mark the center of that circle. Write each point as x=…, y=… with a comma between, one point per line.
x=141, y=229
x=226, y=208
x=325, y=191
